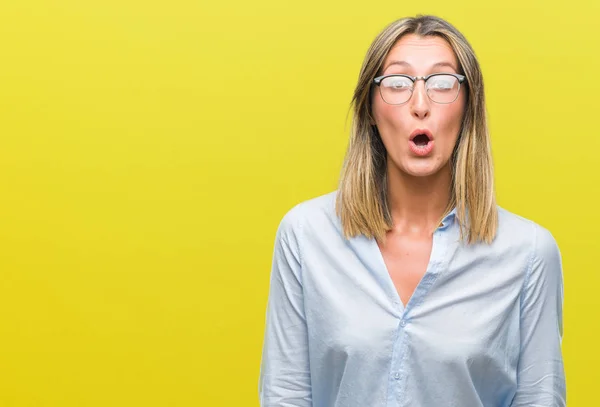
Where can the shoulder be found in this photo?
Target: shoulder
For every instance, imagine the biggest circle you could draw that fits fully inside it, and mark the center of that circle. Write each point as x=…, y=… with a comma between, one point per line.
x=310, y=211
x=527, y=234
x=314, y=213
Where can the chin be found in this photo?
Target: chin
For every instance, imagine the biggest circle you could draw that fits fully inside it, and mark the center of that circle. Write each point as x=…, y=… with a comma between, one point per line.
x=421, y=172
x=421, y=167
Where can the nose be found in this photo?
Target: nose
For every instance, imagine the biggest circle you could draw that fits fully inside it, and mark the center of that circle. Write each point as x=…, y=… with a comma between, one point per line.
x=420, y=107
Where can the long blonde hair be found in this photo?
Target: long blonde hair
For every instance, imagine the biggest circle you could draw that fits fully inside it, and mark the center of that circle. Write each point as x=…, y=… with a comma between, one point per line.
x=362, y=203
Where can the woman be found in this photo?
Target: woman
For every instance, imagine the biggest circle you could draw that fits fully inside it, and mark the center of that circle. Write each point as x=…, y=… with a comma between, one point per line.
x=409, y=286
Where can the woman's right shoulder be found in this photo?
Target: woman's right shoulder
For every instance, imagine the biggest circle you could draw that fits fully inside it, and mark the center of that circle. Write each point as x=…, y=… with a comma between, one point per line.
x=310, y=214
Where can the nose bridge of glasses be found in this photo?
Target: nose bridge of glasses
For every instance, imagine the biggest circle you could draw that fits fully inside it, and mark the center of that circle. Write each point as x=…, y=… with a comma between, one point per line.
x=416, y=84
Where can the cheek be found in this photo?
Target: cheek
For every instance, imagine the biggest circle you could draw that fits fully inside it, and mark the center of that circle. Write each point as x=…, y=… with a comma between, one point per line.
x=452, y=119
x=382, y=112
x=460, y=106
x=388, y=116
x=378, y=107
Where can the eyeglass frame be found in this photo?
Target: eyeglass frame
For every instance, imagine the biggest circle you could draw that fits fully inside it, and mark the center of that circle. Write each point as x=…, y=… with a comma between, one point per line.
x=459, y=77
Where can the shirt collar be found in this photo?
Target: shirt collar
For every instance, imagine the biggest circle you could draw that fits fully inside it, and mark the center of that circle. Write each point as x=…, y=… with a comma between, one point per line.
x=448, y=219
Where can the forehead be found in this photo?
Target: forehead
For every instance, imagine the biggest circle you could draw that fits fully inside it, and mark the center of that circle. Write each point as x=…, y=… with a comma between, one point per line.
x=420, y=53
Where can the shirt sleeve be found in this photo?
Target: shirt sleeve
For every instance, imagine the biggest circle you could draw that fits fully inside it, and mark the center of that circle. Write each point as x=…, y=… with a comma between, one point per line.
x=284, y=371
x=540, y=374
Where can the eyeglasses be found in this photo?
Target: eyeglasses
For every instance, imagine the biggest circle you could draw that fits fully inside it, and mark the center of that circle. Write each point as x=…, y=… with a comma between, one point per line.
x=396, y=89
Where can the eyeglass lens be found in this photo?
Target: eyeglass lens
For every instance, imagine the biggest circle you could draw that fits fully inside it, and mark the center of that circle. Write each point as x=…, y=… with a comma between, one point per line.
x=396, y=90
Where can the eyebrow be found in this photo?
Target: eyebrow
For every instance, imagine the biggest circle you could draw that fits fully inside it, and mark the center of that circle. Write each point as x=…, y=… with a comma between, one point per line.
x=436, y=65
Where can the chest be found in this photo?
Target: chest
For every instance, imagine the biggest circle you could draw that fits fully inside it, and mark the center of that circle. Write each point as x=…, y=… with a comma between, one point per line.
x=406, y=260
x=468, y=306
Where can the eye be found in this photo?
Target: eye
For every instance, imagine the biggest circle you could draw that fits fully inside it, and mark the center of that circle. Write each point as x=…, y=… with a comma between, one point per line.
x=397, y=83
x=441, y=82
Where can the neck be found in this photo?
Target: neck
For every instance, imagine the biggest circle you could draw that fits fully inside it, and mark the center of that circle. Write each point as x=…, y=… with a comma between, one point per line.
x=417, y=203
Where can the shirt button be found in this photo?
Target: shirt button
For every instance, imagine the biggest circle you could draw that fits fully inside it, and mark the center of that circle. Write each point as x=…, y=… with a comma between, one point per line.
x=396, y=375
x=403, y=323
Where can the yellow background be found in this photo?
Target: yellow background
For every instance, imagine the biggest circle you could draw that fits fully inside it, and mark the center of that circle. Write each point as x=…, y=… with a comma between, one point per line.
x=149, y=149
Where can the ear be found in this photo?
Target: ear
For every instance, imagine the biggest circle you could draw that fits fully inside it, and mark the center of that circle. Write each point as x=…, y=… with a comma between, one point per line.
x=372, y=120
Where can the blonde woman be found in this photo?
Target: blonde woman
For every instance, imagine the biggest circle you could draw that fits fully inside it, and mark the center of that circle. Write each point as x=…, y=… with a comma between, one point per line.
x=409, y=286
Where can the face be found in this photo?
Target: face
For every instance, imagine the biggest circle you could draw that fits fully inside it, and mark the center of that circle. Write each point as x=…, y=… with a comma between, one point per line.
x=419, y=56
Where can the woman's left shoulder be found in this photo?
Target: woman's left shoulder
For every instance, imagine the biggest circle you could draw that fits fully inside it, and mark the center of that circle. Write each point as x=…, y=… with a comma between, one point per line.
x=521, y=230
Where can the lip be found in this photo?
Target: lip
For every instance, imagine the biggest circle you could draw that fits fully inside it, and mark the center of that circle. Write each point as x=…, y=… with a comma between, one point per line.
x=421, y=150
x=421, y=131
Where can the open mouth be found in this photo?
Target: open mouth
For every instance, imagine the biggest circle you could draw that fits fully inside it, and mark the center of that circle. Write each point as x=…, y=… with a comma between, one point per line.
x=421, y=140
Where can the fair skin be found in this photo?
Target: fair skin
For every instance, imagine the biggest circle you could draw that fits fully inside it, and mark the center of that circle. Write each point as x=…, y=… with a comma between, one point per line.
x=419, y=187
